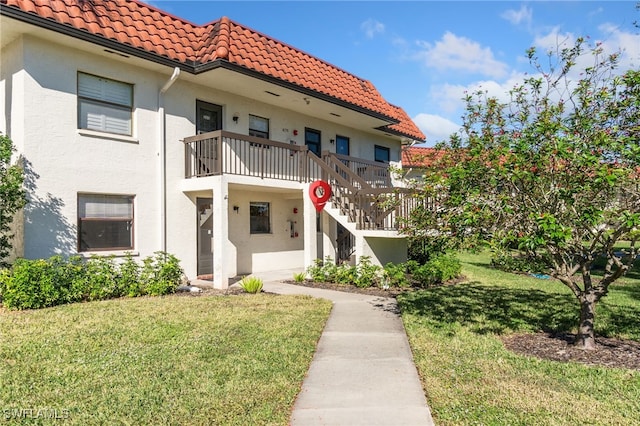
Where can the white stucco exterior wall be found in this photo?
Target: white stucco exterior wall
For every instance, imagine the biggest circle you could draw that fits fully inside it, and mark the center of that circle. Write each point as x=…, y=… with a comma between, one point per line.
x=39, y=90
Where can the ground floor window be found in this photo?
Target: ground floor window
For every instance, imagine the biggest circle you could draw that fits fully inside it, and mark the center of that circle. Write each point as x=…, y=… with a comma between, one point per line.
x=260, y=218
x=105, y=222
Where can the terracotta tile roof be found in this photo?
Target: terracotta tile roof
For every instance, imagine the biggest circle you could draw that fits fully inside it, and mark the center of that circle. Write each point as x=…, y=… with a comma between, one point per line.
x=143, y=27
x=419, y=157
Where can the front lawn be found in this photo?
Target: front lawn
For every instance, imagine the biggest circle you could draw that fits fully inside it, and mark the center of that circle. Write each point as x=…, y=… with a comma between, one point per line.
x=224, y=360
x=470, y=378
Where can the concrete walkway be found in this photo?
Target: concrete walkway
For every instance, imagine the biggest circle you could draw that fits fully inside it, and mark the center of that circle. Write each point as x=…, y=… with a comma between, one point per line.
x=362, y=372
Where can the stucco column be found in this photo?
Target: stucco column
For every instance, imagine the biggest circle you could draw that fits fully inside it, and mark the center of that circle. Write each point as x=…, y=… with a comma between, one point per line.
x=310, y=235
x=222, y=258
x=329, y=236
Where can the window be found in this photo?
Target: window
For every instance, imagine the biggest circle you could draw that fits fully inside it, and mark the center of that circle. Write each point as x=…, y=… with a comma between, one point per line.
x=104, y=105
x=260, y=218
x=381, y=154
x=258, y=127
x=312, y=140
x=342, y=145
x=105, y=222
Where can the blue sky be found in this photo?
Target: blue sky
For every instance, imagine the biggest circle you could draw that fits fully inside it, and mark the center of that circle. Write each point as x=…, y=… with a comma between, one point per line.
x=423, y=55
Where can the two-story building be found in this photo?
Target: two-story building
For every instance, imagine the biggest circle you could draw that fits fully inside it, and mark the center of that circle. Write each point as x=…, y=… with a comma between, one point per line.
x=140, y=132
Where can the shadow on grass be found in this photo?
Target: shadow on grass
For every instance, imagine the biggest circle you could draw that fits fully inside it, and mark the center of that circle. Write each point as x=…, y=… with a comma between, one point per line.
x=492, y=309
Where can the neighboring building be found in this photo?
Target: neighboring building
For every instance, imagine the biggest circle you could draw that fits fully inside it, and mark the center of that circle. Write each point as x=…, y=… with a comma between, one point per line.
x=141, y=132
x=415, y=160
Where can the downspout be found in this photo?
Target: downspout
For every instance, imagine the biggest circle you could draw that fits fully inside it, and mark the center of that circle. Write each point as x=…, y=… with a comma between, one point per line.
x=162, y=142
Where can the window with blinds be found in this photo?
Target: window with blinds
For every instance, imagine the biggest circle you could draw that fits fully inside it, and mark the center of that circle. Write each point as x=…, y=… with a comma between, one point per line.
x=105, y=222
x=104, y=105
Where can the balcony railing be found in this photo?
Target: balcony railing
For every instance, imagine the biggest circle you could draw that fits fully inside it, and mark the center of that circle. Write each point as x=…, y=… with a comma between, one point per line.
x=361, y=189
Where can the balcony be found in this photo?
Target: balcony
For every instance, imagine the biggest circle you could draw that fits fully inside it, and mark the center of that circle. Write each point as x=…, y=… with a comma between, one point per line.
x=361, y=189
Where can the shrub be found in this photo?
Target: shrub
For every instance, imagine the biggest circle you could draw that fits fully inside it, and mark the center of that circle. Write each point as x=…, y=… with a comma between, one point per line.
x=368, y=274
x=161, y=274
x=315, y=271
x=440, y=268
x=129, y=277
x=251, y=284
x=507, y=261
x=346, y=274
x=101, y=278
x=40, y=283
x=396, y=275
x=299, y=277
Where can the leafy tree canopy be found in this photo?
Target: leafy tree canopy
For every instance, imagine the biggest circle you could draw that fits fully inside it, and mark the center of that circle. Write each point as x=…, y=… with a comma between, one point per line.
x=12, y=194
x=553, y=171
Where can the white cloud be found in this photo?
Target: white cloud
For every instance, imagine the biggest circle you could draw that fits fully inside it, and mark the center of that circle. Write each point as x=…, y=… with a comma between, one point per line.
x=614, y=40
x=435, y=127
x=448, y=98
x=371, y=28
x=460, y=53
x=523, y=16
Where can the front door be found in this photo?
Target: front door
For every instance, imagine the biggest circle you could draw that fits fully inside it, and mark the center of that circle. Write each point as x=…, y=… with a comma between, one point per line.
x=205, y=235
x=208, y=117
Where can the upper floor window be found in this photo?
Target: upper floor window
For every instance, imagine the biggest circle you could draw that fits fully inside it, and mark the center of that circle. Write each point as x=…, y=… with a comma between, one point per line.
x=104, y=105
x=381, y=154
x=105, y=222
x=258, y=127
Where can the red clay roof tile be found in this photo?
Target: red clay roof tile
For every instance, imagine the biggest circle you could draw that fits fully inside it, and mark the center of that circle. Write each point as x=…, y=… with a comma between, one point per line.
x=419, y=157
x=144, y=27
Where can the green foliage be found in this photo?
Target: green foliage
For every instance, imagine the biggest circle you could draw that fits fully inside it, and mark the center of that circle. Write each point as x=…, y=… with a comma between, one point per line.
x=251, y=285
x=553, y=171
x=41, y=283
x=160, y=274
x=440, y=268
x=299, y=277
x=129, y=277
x=12, y=194
x=510, y=261
x=368, y=274
x=396, y=275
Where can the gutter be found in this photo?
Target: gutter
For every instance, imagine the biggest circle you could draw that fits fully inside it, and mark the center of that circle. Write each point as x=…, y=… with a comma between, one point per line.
x=162, y=145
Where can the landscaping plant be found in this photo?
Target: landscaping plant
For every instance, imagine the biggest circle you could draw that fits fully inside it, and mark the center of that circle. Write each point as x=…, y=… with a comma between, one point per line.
x=251, y=285
x=12, y=194
x=553, y=171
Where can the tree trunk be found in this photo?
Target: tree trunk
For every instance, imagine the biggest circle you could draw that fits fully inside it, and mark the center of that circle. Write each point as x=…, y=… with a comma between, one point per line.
x=586, y=338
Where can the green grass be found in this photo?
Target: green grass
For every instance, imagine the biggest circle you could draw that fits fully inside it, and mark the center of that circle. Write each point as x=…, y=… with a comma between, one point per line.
x=232, y=360
x=471, y=379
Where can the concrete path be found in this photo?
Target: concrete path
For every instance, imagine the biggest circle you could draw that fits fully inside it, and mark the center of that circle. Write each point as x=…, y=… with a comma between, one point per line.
x=363, y=371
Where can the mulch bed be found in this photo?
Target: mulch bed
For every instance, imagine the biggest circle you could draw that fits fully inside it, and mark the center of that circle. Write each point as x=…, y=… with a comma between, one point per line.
x=559, y=347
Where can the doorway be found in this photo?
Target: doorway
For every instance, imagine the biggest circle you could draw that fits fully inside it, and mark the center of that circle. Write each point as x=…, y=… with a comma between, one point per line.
x=205, y=235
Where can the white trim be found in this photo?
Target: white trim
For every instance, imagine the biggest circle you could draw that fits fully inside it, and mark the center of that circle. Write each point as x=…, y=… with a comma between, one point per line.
x=107, y=253
x=103, y=135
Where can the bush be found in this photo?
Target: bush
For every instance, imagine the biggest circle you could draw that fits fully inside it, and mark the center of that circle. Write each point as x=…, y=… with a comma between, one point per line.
x=439, y=269
x=299, y=277
x=368, y=274
x=40, y=283
x=396, y=274
x=161, y=274
x=251, y=285
x=507, y=261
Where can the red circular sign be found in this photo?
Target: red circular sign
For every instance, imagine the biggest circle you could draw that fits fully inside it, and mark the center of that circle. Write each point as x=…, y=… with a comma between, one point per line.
x=319, y=192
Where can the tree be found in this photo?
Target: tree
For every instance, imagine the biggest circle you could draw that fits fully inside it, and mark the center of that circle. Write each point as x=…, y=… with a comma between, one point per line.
x=12, y=194
x=553, y=172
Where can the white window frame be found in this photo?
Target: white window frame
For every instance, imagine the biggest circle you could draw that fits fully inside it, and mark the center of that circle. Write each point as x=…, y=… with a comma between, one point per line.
x=262, y=205
x=107, y=209
x=104, y=105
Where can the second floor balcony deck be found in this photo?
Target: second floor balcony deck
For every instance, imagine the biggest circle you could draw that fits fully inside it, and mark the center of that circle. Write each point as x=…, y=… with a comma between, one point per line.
x=361, y=189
